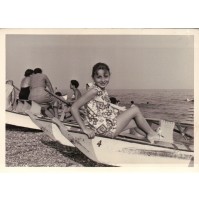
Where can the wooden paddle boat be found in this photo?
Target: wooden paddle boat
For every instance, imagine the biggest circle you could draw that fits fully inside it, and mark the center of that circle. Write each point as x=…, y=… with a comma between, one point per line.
x=126, y=149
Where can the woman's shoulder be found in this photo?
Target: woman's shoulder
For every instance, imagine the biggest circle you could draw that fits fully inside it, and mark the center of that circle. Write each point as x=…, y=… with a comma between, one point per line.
x=90, y=94
x=97, y=90
x=92, y=90
x=25, y=80
x=43, y=75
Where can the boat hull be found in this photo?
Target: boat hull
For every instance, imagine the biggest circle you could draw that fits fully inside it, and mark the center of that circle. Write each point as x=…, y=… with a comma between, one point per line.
x=24, y=120
x=120, y=152
x=117, y=152
x=19, y=119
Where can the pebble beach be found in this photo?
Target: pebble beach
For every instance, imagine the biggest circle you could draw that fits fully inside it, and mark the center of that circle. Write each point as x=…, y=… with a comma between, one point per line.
x=32, y=148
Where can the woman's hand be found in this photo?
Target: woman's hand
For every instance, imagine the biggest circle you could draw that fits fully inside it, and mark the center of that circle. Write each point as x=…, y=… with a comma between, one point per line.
x=121, y=108
x=89, y=132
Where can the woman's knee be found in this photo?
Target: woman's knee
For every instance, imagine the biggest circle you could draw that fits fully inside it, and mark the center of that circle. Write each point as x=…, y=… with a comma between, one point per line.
x=135, y=109
x=114, y=135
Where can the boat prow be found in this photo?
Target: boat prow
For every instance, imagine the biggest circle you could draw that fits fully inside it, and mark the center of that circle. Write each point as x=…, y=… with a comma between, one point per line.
x=49, y=129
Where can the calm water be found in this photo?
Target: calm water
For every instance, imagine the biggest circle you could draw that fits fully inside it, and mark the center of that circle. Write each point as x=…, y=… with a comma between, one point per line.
x=162, y=104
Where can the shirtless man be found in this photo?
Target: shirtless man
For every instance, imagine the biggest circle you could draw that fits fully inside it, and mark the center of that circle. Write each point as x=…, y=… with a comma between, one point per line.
x=74, y=84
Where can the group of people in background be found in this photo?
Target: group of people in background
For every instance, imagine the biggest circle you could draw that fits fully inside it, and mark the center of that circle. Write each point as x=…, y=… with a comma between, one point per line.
x=33, y=88
x=103, y=115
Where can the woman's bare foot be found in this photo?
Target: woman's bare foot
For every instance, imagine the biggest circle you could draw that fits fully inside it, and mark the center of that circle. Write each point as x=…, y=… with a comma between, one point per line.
x=153, y=136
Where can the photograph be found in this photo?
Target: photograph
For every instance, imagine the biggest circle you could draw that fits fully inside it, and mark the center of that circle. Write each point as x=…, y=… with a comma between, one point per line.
x=100, y=97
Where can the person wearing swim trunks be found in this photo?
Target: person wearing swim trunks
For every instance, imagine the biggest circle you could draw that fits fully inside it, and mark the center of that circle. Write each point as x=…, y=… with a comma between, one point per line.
x=74, y=84
x=25, y=85
x=38, y=83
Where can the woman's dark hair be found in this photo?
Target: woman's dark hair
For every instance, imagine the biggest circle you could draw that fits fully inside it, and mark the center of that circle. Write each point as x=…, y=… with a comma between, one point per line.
x=74, y=83
x=28, y=72
x=113, y=100
x=58, y=93
x=37, y=70
x=100, y=66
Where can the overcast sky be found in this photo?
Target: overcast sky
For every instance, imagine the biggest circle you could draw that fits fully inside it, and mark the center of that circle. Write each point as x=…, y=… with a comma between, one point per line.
x=136, y=61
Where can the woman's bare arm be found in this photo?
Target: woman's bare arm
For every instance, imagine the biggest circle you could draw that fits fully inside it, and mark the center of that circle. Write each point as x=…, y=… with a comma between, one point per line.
x=49, y=85
x=78, y=104
x=123, y=108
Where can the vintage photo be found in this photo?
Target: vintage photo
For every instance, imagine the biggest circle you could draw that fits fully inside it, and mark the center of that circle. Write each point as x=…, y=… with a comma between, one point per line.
x=100, y=98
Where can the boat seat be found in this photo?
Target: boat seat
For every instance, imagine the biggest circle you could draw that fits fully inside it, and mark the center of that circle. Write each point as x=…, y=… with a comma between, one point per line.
x=166, y=131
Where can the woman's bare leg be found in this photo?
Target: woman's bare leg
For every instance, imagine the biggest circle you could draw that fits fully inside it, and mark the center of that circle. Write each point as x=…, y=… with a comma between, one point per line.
x=124, y=121
x=49, y=112
x=66, y=110
x=140, y=132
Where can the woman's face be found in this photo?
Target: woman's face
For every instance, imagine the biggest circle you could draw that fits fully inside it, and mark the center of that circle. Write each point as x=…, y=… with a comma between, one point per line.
x=101, y=78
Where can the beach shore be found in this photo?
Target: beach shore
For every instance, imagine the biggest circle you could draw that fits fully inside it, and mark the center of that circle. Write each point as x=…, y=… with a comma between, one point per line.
x=31, y=148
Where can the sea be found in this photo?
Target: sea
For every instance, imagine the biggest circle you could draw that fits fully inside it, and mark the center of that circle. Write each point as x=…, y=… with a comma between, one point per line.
x=167, y=104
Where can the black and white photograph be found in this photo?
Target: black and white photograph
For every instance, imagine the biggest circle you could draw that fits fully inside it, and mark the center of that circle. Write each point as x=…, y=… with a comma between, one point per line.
x=100, y=98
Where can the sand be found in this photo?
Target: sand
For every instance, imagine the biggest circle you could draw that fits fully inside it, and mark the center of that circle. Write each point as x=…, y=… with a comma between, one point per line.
x=31, y=148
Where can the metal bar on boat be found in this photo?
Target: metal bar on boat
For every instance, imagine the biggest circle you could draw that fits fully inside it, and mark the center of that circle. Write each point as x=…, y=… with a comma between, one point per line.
x=66, y=102
x=15, y=87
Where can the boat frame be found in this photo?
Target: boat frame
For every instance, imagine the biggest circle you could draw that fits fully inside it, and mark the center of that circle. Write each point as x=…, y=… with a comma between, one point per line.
x=121, y=151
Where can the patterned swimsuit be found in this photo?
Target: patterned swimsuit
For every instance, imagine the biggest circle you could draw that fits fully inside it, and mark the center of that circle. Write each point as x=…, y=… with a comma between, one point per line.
x=101, y=116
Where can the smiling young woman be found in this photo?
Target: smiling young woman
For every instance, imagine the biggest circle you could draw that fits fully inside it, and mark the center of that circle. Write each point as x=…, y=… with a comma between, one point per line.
x=102, y=117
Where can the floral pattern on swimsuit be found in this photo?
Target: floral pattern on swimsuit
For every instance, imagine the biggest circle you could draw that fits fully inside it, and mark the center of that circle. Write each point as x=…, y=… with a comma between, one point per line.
x=101, y=116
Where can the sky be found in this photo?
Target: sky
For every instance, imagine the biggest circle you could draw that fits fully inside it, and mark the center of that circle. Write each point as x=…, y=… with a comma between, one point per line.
x=135, y=61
